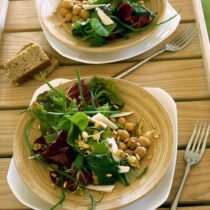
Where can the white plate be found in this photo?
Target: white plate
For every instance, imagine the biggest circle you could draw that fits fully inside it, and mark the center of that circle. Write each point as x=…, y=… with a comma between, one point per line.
x=152, y=201
x=160, y=35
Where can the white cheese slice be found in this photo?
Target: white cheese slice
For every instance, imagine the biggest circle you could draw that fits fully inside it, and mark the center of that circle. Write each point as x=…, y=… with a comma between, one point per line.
x=104, y=120
x=106, y=20
x=113, y=148
x=93, y=6
x=122, y=114
x=101, y=188
x=124, y=169
x=94, y=121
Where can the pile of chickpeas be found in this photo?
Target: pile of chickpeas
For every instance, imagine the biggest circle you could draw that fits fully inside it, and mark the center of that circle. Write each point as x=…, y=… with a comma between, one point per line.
x=72, y=11
x=132, y=142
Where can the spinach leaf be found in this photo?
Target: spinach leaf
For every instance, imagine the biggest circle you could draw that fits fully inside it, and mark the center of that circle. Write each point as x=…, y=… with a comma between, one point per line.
x=80, y=119
x=98, y=27
x=100, y=148
x=64, y=124
x=103, y=165
x=97, y=40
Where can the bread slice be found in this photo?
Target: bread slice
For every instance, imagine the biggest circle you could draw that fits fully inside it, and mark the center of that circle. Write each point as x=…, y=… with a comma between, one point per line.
x=26, y=64
x=46, y=71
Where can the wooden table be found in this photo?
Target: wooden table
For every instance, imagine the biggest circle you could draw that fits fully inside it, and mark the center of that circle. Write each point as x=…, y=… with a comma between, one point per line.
x=181, y=74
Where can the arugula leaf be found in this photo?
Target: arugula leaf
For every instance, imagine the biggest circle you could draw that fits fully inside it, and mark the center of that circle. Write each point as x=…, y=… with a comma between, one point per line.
x=79, y=162
x=50, y=138
x=80, y=119
x=103, y=165
x=100, y=148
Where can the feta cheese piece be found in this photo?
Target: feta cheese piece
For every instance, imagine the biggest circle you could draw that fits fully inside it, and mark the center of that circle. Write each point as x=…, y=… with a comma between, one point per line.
x=113, y=148
x=124, y=169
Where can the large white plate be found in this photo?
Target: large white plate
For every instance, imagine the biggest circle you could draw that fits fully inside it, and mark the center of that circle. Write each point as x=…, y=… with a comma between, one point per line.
x=152, y=201
x=161, y=34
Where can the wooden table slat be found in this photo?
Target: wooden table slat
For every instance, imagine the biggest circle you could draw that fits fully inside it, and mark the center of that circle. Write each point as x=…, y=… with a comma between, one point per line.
x=12, y=42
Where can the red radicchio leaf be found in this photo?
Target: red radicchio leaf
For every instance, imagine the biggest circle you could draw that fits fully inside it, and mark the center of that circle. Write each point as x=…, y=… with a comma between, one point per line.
x=59, y=151
x=143, y=21
x=41, y=140
x=124, y=10
x=73, y=92
x=113, y=36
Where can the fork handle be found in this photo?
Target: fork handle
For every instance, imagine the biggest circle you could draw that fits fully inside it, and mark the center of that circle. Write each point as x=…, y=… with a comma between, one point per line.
x=132, y=68
x=176, y=199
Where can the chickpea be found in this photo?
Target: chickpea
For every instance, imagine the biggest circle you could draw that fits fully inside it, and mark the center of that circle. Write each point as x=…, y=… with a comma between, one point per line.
x=121, y=121
x=132, y=143
x=123, y=134
x=68, y=17
x=140, y=3
x=77, y=2
x=144, y=141
x=85, y=2
x=84, y=14
x=81, y=20
x=74, y=18
x=130, y=126
x=76, y=10
x=141, y=151
x=128, y=151
x=64, y=12
x=66, y=4
x=122, y=146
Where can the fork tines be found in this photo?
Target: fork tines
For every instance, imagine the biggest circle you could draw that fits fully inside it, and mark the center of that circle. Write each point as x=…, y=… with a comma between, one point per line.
x=198, y=140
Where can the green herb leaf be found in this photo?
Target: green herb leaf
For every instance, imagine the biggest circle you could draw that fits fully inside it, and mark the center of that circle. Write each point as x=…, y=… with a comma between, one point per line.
x=50, y=138
x=79, y=162
x=103, y=165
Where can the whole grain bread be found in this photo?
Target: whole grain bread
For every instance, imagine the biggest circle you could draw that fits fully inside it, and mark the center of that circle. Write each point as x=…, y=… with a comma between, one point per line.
x=26, y=64
x=46, y=71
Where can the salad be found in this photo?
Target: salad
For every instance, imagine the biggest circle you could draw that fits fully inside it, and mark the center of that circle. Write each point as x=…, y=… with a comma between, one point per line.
x=100, y=21
x=86, y=142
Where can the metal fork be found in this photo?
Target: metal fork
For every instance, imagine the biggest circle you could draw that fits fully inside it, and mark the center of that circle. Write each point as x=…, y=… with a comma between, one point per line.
x=193, y=154
x=181, y=41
